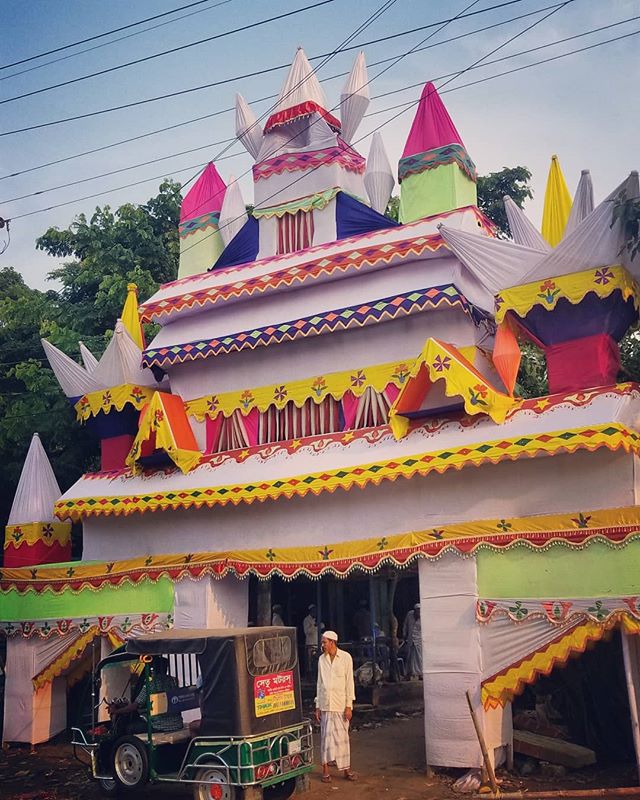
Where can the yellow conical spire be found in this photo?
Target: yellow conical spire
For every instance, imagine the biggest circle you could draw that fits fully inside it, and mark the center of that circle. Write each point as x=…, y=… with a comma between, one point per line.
x=130, y=316
x=557, y=204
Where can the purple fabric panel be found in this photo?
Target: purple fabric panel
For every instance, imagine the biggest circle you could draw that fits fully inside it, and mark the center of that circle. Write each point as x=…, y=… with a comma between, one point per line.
x=354, y=218
x=611, y=315
x=242, y=249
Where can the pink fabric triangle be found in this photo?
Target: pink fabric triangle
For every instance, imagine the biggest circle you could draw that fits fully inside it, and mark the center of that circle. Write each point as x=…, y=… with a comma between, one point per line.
x=432, y=126
x=206, y=195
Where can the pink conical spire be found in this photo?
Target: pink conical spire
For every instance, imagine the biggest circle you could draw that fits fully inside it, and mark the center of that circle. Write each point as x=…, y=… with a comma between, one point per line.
x=432, y=126
x=205, y=196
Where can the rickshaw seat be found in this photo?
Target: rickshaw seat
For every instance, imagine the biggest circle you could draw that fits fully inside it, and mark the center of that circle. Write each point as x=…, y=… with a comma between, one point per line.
x=167, y=737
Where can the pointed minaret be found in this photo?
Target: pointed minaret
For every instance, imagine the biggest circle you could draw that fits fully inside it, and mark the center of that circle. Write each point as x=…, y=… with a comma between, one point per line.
x=378, y=177
x=557, y=204
x=33, y=535
x=582, y=202
x=300, y=96
x=131, y=316
x=200, y=240
x=88, y=359
x=248, y=129
x=233, y=213
x=74, y=380
x=121, y=362
x=523, y=231
x=435, y=171
x=354, y=99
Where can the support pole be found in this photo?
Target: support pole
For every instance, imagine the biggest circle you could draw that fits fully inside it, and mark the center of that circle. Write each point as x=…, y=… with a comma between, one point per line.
x=485, y=755
x=372, y=607
x=319, y=613
x=263, y=605
x=630, y=673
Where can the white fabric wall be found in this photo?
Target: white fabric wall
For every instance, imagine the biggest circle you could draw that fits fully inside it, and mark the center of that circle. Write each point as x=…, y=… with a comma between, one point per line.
x=564, y=483
x=452, y=658
x=397, y=340
x=209, y=603
x=324, y=224
x=33, y=716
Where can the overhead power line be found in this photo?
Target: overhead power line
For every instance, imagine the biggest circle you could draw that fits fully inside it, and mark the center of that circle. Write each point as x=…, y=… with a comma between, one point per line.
x=101, y=35
x=374, y=97
x=235, y=78
x=406, y=106
x=115, y=41
x=178, y=49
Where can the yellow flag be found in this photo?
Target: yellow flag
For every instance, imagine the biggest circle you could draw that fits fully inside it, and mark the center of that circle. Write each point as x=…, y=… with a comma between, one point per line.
x=557, y=204
x=131, y=317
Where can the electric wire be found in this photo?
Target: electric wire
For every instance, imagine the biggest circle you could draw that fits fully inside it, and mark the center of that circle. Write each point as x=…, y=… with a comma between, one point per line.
x=119, y=39
x=172, y=50
x=257, y=73
x=374, y=97
x=405, y=106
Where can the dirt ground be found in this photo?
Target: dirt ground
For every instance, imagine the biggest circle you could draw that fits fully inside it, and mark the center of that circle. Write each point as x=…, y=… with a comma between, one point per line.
x=388, y=755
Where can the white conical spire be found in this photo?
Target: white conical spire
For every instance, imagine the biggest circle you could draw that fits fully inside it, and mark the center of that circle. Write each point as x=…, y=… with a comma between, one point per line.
x=301, y=85
x=595, y=242
x=74, y=380
x=523, y=231
x=354, y=99
x=248, y=129
x=233, y=213
x=37, y=490
x=121, y=361
x=496, y=263
x=378, y=177
x=88, y=359
x=582, y=202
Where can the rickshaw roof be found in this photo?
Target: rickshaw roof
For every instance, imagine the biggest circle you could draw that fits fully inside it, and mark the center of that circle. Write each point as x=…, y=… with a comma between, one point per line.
x=195, y=640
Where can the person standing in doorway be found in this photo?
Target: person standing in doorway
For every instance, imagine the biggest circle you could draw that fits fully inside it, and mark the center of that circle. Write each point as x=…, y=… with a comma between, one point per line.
x=276, y=615
x=412, y=632
x=310, y=629
x=335, y=695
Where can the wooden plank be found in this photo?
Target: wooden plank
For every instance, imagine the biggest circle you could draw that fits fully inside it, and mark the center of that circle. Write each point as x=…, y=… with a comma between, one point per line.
x=555, y=751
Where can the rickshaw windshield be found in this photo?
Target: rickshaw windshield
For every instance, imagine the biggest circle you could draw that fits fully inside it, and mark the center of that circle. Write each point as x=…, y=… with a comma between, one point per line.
x=273, y=654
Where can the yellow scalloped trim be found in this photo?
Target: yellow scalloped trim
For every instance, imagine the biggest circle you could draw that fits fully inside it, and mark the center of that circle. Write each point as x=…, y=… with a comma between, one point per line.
x=105, y=400
x=65, y=659
x=602, y=281
x=442, y=361
x=316, y=388
x=36, y=532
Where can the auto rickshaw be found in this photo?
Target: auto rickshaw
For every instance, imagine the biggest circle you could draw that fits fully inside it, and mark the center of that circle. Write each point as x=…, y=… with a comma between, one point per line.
x=251, y=737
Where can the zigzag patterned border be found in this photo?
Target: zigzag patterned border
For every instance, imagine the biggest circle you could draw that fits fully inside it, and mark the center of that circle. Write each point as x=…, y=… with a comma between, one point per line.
x=612, y=436
x=339, y=319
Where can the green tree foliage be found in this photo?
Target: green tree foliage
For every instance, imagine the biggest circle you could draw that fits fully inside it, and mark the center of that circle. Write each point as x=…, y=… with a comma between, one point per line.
x=492, y=188
x=133, y=244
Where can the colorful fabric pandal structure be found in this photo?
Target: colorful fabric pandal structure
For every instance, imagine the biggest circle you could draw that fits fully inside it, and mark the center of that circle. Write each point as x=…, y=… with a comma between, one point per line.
x=331, y=394
x=199, y=230
x=33, y=534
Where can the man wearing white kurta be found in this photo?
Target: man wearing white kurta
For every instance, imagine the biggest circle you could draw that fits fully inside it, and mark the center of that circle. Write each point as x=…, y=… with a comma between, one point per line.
x=334, y=706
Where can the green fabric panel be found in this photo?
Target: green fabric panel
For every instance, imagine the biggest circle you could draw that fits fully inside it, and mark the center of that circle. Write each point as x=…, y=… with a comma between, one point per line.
x=435, y=191
x=199, y=251
x=596, y=571
x=144, y=597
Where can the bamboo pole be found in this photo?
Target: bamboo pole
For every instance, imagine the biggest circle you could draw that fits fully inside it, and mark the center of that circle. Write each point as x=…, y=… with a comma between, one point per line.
x=633, y=697
x=574, y=794
x=483, y=747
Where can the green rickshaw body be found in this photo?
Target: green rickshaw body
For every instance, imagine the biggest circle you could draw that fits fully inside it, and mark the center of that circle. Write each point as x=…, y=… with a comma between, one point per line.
x=251, y=732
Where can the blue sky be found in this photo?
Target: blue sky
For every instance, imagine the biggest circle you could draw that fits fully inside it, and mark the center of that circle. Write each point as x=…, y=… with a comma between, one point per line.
x=583, y=107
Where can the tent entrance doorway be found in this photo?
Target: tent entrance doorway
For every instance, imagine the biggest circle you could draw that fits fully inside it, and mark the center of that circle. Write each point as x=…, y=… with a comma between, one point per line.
x=585, y=702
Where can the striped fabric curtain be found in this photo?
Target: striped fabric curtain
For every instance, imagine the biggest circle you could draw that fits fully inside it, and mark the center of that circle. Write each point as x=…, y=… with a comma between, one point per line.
x=295, y=231
x=373, y=409
x=227, y=433
x=291, y=422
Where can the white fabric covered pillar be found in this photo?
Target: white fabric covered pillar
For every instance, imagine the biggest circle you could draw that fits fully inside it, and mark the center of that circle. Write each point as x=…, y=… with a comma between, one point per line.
x=452, y=663
x=31, y=715
x=211, y=603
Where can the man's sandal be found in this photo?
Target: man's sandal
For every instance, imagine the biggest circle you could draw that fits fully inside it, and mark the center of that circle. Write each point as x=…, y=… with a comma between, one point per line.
x=351, y=776
x=326, y=779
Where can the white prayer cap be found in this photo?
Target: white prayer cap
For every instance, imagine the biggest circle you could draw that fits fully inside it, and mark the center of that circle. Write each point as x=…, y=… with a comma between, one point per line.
x=330, y=635
x=417, y=606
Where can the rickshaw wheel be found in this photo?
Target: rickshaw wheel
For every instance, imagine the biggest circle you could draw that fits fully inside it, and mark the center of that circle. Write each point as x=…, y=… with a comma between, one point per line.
x=215, y=787
x=280, y=791
x=130, y=763
x=108, y=787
